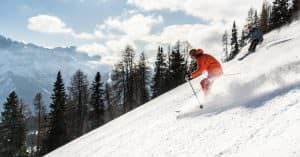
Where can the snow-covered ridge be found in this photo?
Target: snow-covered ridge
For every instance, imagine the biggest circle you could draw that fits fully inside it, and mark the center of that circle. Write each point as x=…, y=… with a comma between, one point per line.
x=252, y=113
x=29, y=69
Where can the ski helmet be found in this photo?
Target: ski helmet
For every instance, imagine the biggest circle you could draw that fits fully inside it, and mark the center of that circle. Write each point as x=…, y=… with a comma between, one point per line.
x=196, y=52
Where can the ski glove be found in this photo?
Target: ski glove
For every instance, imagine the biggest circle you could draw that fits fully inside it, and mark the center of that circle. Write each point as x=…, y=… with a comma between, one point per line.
x=188, y=76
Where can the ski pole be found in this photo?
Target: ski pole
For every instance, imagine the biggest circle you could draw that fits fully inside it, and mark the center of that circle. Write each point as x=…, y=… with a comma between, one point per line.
x=194, y=92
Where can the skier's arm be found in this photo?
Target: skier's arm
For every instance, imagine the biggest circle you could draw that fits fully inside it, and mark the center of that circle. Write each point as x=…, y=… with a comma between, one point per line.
x=196, y=73
x=249, y=35
x=199, y=71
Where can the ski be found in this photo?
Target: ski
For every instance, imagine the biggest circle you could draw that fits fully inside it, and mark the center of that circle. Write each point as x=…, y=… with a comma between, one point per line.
x=245, y=56
x=178, y=111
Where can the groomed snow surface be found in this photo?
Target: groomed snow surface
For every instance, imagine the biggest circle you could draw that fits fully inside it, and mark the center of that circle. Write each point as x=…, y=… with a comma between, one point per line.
x=255, y=113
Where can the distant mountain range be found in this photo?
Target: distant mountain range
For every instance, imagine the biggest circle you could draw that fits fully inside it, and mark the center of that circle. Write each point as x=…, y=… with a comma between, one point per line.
x=28, y=68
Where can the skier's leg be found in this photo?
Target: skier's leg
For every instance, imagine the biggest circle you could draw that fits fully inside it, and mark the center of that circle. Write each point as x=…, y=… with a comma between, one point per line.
x=205, y=85
x=255, y=42
x=251, y=46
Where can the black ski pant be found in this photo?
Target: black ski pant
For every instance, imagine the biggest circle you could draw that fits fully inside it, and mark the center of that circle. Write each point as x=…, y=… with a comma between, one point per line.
x=253, y=45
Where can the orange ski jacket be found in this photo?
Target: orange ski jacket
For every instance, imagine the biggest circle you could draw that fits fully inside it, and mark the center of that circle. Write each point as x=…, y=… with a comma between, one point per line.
x=206, y=62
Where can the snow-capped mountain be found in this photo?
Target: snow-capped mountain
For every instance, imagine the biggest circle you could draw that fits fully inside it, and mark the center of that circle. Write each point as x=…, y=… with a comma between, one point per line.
x=28, y=69
x=253, y=110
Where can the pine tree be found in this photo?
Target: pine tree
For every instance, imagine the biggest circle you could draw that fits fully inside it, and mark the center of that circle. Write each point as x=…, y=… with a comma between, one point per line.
x=136, y=83
x=250, y=18
x=123, y=82
x=264, y=17
x=158, y=80
x=143, y=75
x=242, y=41
x=128, y=62
x=108, y=101
x=13, y=130
x=234, y=42
x=186, y=47
x=168, y=83
x=30, y=125
x=78, y=97
x=294, y=10
x=178, y=67
x=192, y=66
x=225, y=46
x=57, y=133
x=41, y=122
x=280, y=14
x=255, y=19
x=97, y=101
x=249, y=22
x=119, y=88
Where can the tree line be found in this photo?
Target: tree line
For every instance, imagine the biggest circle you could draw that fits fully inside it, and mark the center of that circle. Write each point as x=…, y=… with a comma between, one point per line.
x=82, y=106
x=272, y=16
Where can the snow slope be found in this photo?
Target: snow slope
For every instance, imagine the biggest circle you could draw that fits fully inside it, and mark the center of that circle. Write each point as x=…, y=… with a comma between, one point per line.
x=254, y=113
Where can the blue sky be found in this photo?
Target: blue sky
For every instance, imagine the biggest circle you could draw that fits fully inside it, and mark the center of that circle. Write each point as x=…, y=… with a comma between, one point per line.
x=105, y=26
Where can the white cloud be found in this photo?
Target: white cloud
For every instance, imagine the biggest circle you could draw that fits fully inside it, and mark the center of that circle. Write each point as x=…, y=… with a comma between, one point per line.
x=107, y=57
x=220, y=14
x=136, y=31
x=116, y=46
x=119, y=32
x=131, y=12
x=54, y=25
x=84, y=36
x=135, y=27
x=99, y=34
x=218, y=10
x=48, y=24
x=110, y=60
x=207, y=37
x=93, y=49
x=110, y=52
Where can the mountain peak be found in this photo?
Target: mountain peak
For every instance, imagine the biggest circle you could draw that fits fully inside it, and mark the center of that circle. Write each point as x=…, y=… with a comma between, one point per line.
x=37, y=66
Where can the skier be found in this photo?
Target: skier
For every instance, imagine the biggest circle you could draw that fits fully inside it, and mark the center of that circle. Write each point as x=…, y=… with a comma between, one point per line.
x=256, y=37
x=208, y=68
